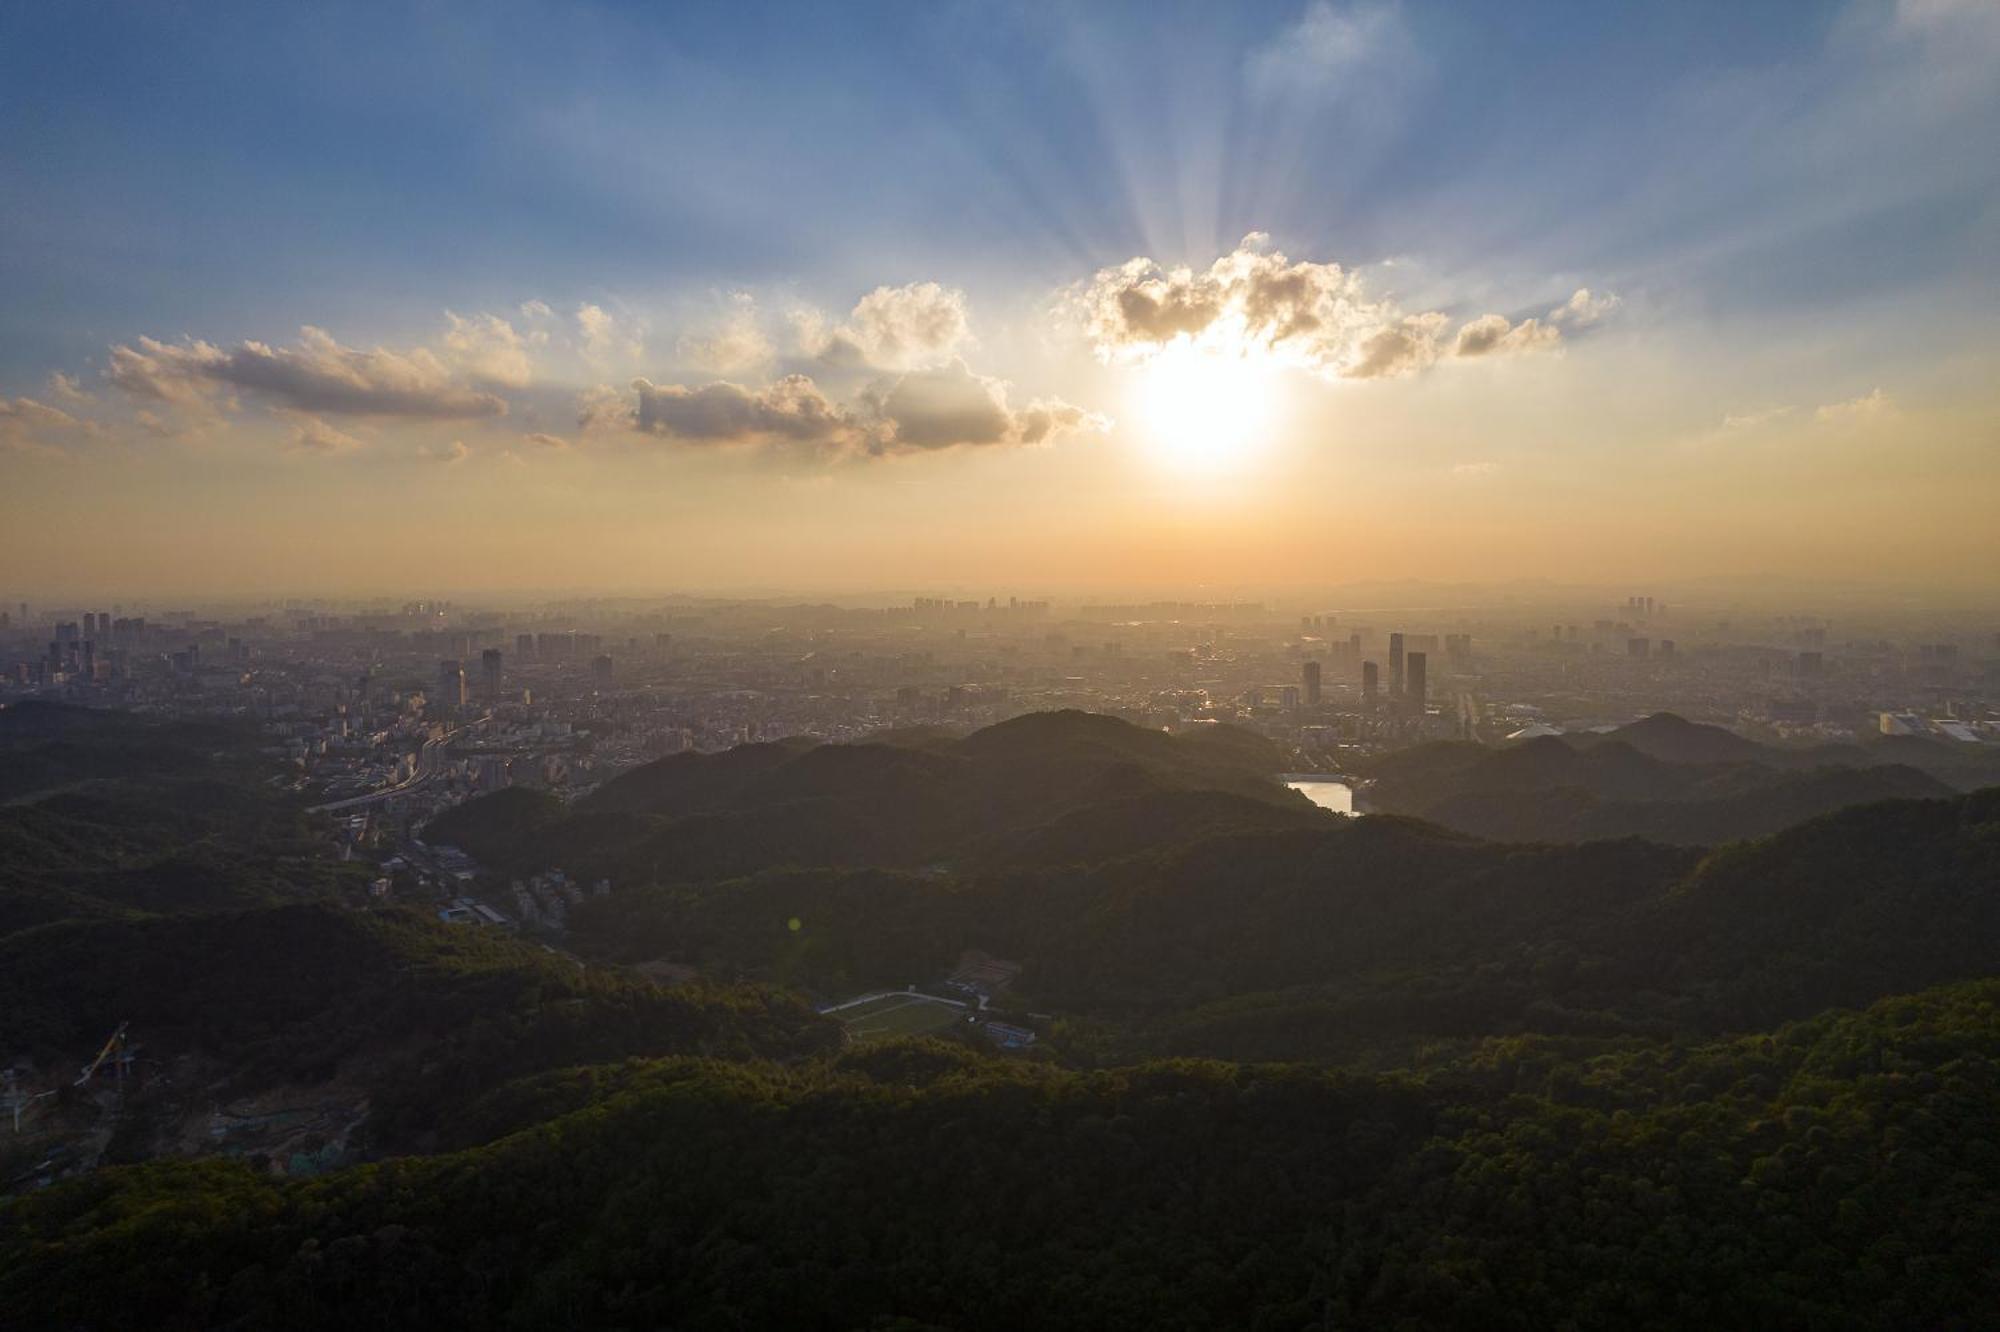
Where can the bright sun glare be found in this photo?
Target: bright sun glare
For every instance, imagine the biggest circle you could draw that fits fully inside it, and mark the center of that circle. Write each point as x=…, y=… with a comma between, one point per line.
x=1205, y=410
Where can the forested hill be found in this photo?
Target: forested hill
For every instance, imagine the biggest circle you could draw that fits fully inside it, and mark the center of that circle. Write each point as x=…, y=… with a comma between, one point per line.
x=1838, y=1173
x=1378, y=936
x=106, y=814
x=1662, y=778
x=1044, y=786
x=1470, y=1083
x=152, y=873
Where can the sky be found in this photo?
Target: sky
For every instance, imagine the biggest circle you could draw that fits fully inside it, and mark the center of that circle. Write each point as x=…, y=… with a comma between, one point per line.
x=1012, y=298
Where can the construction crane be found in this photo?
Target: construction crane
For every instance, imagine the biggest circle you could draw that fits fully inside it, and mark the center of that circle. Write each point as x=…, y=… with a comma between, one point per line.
x=114, y=1050
x=16, y=1099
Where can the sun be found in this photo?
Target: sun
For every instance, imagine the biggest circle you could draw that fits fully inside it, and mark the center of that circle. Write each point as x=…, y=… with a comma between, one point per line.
x=1204, y=409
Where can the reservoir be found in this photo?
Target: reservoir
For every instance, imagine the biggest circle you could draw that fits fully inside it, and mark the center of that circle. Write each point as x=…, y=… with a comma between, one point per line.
x=1325, y=792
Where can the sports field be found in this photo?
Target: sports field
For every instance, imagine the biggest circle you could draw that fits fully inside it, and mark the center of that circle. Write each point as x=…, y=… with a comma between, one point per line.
x=898, y=1015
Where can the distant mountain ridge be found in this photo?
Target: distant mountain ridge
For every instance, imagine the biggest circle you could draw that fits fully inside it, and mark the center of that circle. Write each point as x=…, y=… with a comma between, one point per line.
x=1662, y=778
x=997, y=794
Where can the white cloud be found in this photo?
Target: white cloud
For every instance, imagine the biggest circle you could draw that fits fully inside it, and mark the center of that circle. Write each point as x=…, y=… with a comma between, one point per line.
x=921, y=325
x=735, y=344
x=1869, y=406
x=607, y=339
x=1326, y=49
x=316, y=436
x=1492, y=333
x=911, y=326
x=548, y=441
x=488, y=348
x=1583, y=309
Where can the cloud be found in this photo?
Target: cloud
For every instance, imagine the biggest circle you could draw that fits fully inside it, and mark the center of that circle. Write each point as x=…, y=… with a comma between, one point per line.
x=1317, y=317
x=451, y=455
x=607, y=340
x=1399, y=349
x=921, y=325
x=602, y=407
x=548, y=441
x=1495, y=333
x=1869, y=406
x=932, y=409
x=1583, y=309
x=316, y=436
x=160, y=427
x=1326, y=49
x=1754, y=420
x=920, y=411
x=791, y=409
x=736, y=344
x=488, y=348
x=1492, y=333
x=902, y=327
x=1475, y=471
x=1044, y=419
x=68, y=389
x=1312, y=316
x=28, y=426
x=318, y=375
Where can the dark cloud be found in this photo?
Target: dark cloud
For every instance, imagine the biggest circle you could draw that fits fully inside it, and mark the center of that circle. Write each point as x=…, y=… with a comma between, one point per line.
x=791, y=409
x=318, y=375
x=921, y=411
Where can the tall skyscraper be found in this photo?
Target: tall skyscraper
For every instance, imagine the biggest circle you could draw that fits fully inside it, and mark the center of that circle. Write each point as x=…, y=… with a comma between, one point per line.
x=1369, y=675
x=490, y=674
x=1310, y=676
x=1395, y=665
x=600, y=672
x=1417, y=684
x=451, y=686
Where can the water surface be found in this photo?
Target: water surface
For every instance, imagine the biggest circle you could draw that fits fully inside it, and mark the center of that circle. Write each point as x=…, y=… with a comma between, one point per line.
x=1326, y=793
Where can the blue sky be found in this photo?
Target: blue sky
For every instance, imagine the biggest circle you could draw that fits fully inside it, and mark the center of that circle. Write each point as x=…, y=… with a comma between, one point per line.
x=1797, y=200
x=220, y=169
